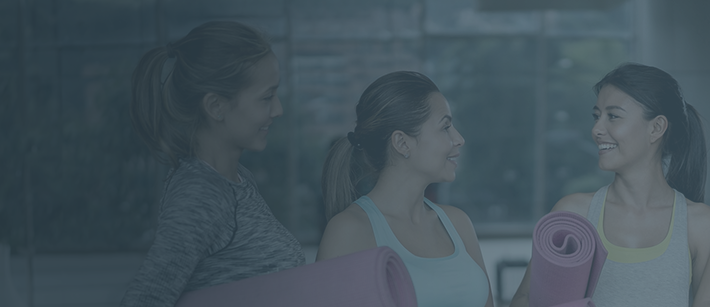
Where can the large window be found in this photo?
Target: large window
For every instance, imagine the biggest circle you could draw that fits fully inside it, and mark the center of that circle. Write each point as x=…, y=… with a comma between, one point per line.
x=76, y=178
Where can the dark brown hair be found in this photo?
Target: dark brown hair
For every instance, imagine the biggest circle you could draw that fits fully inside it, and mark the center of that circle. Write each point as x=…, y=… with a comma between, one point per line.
x=684, y=141
x=396, y=101
x=214, y=57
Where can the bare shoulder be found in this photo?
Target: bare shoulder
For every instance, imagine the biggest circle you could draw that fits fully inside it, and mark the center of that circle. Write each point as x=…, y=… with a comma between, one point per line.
x=698, y=224
x=347, y=232
x=577, y=203
x=698, y=210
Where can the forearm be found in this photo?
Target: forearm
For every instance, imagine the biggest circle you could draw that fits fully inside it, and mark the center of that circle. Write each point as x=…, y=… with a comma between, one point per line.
x=160, y=282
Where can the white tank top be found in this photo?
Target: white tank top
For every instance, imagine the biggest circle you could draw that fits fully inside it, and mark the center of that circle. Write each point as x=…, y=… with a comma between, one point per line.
x=653, y=276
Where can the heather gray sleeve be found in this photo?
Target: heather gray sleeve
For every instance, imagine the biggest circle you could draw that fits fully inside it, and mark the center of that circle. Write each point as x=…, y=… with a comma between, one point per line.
x=195, y=221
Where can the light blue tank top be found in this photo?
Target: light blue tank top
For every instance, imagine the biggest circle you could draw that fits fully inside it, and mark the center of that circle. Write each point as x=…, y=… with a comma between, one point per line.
x=454, y=280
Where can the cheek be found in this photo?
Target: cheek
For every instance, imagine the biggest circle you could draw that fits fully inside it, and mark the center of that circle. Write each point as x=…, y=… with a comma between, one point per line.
x=250, y=115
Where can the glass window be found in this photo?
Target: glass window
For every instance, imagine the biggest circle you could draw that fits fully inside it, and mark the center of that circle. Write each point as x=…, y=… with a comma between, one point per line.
x=519, y=83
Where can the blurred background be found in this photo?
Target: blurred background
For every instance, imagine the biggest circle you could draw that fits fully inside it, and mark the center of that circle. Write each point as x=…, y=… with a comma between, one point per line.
x=79, y=191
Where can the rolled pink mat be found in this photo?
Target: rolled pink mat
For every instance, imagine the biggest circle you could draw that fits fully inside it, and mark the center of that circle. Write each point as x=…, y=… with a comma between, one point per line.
x=567, y=258
x=374, y=277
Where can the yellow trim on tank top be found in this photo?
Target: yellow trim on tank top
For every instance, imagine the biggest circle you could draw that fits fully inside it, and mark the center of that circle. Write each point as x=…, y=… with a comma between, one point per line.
x=633, y=255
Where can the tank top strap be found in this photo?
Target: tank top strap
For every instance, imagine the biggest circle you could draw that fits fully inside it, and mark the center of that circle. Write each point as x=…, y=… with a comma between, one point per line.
x=453, y=234
x=679, y=237
x=595, y=207
x=380, y=227
x=680, y=218
x=384, y=234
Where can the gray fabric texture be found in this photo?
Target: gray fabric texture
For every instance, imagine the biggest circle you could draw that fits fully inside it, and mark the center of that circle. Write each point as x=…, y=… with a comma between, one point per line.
x=662, y=281
x=210, y=231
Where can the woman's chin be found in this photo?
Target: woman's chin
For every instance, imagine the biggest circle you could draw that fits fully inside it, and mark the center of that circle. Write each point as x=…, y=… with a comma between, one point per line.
x=606, y=167
x=449, y=178
x=257, y=146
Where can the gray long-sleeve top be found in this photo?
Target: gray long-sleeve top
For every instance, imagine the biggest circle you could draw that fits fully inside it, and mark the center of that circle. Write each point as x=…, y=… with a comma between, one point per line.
x=210, y=231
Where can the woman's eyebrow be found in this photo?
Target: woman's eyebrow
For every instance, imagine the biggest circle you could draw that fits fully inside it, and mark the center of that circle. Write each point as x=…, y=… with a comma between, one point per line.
x=609, y=108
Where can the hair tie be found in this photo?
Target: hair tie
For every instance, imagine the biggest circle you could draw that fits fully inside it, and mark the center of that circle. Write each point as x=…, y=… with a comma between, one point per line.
x=354, y=141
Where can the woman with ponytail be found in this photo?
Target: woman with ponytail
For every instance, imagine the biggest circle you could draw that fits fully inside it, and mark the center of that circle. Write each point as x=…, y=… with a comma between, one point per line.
x=198, y=103
x=374, y=181
x=651, y=218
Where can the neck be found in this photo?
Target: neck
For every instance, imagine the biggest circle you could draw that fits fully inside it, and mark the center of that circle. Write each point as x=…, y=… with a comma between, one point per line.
x=215, y=152
x=642, y=187
x=399, y=192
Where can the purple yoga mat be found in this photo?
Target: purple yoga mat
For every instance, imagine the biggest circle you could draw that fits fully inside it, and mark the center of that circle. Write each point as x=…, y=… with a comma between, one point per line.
x=567, y=258
x=374, y=277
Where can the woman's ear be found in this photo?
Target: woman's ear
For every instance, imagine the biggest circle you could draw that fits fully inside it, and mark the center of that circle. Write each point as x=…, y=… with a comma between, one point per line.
x=400, y=143
x=214, y=106
x=658, y=127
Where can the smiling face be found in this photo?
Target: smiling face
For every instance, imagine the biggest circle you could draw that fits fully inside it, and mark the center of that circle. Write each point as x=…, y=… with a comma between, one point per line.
x=436, y=148
x=623, y=135
x=253, y=109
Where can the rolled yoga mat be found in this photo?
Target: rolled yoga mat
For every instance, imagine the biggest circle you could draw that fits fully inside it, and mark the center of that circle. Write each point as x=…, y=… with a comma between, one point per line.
x=375, y=277
x=567, y=258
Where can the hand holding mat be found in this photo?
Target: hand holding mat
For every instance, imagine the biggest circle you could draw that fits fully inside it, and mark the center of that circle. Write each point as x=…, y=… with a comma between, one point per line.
x=374, y=277
x=567, y=259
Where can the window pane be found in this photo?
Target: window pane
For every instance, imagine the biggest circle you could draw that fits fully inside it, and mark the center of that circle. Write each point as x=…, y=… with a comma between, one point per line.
x=616, y=22
x=92, y=22
x=455, y=17
x=489, y=83
x=340, y=19
x=96, y=190
x=266, y=15
x=8, y=22
x=575, y=65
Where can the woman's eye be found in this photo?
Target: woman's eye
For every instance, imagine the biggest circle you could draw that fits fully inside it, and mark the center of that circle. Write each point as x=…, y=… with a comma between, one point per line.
x=595, y=116
x=447, y=127
x=612, y=116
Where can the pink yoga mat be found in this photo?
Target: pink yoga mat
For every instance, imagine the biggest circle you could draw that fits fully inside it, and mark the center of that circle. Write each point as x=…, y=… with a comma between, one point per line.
x=375, y=277
x=567, y=258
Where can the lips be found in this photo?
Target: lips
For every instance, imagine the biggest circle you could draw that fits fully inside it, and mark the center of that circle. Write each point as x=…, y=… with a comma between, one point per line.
x=453, y=158
x=266, y=128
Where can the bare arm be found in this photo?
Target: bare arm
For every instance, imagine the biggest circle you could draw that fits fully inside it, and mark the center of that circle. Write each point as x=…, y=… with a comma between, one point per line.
x=577, y=203
x=698, y=229
x=464, y=227
x=348, y=232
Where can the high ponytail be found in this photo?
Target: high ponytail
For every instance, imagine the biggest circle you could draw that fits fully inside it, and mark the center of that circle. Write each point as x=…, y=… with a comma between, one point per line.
x=146, y=108
x=395, y=101
x=214, y=57
x=684, y=141
x=341, y=173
